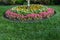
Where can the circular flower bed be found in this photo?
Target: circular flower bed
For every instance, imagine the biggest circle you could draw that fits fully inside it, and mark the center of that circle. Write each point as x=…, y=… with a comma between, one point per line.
x=35, y=12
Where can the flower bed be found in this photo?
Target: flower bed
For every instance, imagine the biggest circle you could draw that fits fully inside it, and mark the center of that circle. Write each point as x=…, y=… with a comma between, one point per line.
x=35, y=12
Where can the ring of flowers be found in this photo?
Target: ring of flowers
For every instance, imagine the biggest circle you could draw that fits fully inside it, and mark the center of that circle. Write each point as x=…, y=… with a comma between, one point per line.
x=33, y=16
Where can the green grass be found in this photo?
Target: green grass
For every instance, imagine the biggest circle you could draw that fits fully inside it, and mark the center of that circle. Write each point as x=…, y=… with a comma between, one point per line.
x=44, y=30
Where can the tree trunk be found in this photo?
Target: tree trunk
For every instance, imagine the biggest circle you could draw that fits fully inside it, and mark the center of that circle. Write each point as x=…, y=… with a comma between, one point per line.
x=28, y=3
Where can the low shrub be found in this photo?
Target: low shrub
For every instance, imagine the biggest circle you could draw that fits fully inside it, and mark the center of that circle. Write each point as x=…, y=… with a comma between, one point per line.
x=49, y=2
x=12, y=1
x=45, y=1
x=20, y=1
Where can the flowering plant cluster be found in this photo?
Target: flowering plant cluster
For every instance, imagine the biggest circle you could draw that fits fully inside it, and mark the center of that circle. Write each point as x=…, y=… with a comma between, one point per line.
x=30, y=16
x=33, y=9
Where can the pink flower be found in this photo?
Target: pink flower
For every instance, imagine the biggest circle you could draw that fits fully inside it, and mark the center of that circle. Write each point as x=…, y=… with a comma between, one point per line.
x=28, y=15
x=25, y=17
x=33, y=15
x=19, y=16
x=50, y=11
x=39, y=16
x=8, y=11
x=43, y=14
x=22, y=16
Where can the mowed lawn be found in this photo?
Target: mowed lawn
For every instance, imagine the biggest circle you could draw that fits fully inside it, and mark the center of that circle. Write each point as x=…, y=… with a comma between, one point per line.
x=48, y=29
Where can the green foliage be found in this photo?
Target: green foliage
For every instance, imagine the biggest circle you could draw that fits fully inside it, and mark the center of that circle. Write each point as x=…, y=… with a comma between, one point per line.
x=45, y=1
x=11, y=1
x=20, y=1
x=33, y=1
x=0, y=0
